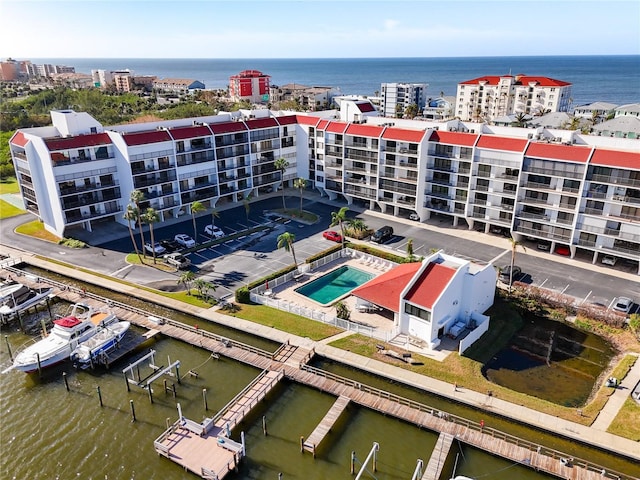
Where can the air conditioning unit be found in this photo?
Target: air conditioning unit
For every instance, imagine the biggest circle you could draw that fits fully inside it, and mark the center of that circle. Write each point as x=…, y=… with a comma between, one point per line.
x=453, y=130
x=530, y=136
x=473, y=130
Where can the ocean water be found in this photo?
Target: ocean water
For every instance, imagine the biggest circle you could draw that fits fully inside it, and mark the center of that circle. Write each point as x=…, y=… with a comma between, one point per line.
x=614, y=79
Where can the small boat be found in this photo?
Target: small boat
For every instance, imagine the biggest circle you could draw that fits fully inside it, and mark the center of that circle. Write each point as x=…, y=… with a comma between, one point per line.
x=104, y=341
x=68, y=332
x=6, y=291
x=18, y=299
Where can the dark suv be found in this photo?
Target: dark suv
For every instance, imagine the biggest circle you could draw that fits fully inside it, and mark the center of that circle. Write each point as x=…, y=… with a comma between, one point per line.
x=382, y=234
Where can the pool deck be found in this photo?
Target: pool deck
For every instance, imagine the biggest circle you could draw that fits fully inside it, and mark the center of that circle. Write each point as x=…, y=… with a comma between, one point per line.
x=375, y=320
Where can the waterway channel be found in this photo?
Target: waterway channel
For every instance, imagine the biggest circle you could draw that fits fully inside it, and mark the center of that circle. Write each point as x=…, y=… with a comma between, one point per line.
x=48, y=432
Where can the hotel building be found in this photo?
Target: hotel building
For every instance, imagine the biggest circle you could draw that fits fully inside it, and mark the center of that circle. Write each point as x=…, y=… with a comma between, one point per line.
x=571, y=190
x=396, y=97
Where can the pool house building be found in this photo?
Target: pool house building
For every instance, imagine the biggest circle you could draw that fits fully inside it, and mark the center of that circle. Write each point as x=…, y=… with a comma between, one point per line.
x=441, y=296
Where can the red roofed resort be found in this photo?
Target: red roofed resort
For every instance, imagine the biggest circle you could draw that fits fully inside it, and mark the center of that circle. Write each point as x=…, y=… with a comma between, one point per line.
x=575, y=191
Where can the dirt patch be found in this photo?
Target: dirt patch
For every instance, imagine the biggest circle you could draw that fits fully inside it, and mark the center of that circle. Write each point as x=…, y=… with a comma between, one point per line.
x=166, y=286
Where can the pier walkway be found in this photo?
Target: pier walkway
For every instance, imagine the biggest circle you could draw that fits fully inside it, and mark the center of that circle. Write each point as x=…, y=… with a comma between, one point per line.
x=325, y=425
x=438, y=457
x=292, y=361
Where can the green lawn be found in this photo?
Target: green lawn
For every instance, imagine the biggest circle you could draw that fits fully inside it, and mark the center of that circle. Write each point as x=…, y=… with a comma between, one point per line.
x=36, y=229
x=287, y=322
x=627, y=424
x=9, y=185
x=7, y=210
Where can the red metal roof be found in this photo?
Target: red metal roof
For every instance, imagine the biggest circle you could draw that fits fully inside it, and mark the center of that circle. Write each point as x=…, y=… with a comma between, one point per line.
x=261, y=123
x=306, y=120
x=404, y=135
x=364, y=130
x=616, y=158
x=337, y=127
x=227, y=127
x=454, y=138
x=569, y=153
x=520, y=80
x=428, y=288
x=502, y=143
x=286, y=120
x=385, y=289
x=322, y=125
x=79, y=141
x=19, y=139
x=182, y=133
x=144, y=138
x=365, y=107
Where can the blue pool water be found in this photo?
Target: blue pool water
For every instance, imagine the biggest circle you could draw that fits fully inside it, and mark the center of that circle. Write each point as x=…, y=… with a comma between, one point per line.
x=334, y=285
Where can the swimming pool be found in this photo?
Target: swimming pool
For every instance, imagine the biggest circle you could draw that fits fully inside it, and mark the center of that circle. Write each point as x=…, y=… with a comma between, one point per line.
x=334, y=285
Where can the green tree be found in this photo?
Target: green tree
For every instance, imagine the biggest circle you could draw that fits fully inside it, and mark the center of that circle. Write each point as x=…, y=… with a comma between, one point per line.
x=150, y=216
x=634, y=324
x=214, y=214
x=131, y=215
x=196, y=207
x=520, y=120
x=300, y=184
x=285, y=240
x=342, y=310
x=356, y=227
x=187, y=278
x=204, y=288
x=410, y=257
x=339, y=218
x=514, y=246
x=136, y=198
x=411, y=111
x=281, y=164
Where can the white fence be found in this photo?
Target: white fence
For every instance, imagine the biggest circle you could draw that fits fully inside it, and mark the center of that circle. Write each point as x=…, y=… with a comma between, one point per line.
x=476, y=333
x=257, y=296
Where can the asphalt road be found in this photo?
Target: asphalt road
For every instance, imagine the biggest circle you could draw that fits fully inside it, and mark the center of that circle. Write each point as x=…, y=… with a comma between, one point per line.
x=235, y=263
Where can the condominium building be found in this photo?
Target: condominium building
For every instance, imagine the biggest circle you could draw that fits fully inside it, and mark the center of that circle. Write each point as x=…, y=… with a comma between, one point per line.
x=396, y=97
x=579, y=192
x=249, y=85
x=486, y=98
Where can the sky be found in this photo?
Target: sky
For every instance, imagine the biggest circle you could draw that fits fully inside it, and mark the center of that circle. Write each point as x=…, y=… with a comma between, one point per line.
x=316, y=28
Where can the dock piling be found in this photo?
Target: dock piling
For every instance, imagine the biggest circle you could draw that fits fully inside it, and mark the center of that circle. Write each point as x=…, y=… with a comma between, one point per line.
x=133, y=411
x=352, y=470
x=204, y=399
x=64, y=379
x=99, y=395
x=6, y=339
x=301, y=444
x=264, y=425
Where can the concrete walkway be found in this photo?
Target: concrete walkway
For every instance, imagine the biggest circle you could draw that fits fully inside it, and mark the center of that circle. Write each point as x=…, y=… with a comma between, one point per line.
x=585, y=434
x=617, y=399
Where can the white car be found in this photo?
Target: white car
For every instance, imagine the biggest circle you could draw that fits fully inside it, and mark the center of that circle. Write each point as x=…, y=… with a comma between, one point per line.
x=185, y=240
x=155, y=248
x=213, y=231
x=623, y=304
x=609, y=260
x=414, y=216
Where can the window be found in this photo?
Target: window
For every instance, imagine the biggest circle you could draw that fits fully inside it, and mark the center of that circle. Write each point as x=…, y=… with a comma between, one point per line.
x=417, y=312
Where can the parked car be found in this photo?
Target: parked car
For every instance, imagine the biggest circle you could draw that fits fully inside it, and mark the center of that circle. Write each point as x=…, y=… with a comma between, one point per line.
x=609, y=260
x=564, y=251
x=382, y=234
x=623, y=304
x=544, y=246
x=177, y=260
x=414, y=216
x=154, y=248
x=267, y=189
x=505, y=274
x=170, y=245
x=185, y=240
x=213, y=231
x=333, y=236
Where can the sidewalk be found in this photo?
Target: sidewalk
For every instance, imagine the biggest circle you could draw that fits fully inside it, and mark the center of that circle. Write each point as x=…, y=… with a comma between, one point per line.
x=585, y=434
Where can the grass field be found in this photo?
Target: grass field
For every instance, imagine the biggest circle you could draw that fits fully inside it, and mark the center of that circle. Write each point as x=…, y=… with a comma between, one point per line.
x=36, y=229
x=7, y=210
x=9, y=185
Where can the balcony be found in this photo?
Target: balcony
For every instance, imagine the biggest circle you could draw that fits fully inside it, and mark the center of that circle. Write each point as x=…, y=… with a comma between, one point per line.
x=194, y=158
x=359, y=192
x=139, y=182
x=555, y=172
x=632, y=182
x=445, y=196
x=538, y=186
x=73, y=218
x=441, y=167
x=88, y=188
x=593, y=211
x=533, y=216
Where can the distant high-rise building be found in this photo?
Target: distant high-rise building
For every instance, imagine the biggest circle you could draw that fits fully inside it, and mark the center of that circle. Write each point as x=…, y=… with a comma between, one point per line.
x=396, y=97
x=485, y=98
x=250, y=85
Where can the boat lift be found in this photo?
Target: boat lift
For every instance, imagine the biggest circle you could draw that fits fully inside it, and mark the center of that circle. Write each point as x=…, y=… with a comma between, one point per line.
x=132, y=372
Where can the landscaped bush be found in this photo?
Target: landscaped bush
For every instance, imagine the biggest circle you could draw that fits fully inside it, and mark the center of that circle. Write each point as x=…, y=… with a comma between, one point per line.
x=378, y=253
x=242, y=295
x=72, y=243
x=323, y=253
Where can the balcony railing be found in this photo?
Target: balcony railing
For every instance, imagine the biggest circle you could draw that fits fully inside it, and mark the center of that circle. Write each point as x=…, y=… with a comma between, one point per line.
x=554, y=172
x=360, y=193
x=88, y=188
x=533, y=216
x=88, y=216
x=632, y=182
x=593, y=211
x=538, y=186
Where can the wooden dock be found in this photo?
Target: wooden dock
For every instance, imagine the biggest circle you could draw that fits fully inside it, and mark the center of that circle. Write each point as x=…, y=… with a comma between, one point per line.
x=326, y=424
x=438, y=457
x=291, y=362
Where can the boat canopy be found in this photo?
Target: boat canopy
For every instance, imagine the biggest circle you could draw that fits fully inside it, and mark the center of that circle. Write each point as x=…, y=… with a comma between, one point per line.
x=67, y=322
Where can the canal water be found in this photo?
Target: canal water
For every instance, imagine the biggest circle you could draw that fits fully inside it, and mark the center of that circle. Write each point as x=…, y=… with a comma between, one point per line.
x=49, y=432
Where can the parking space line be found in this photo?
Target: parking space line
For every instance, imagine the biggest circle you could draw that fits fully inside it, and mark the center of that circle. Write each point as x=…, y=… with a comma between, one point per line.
x=495, y=259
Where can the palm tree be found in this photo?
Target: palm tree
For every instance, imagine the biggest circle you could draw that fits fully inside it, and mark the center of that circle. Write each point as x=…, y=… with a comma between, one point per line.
x=410, y=257
x=514, y=246
x=281, y=164
x=196, y=207
x=338, y=218
x=131, y=215
x=357, y=226
x=214, y=214
x=187, y=279
x=520, y=120
x=137, y=197
x=285, y=240
x=150, y=216
x=300, y=184
x=203, y=288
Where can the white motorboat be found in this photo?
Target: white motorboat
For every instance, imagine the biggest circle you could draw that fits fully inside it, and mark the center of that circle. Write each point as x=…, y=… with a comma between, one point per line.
x=104, y=341
x=23, y=297
x=9, y=289
x=68, y=332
